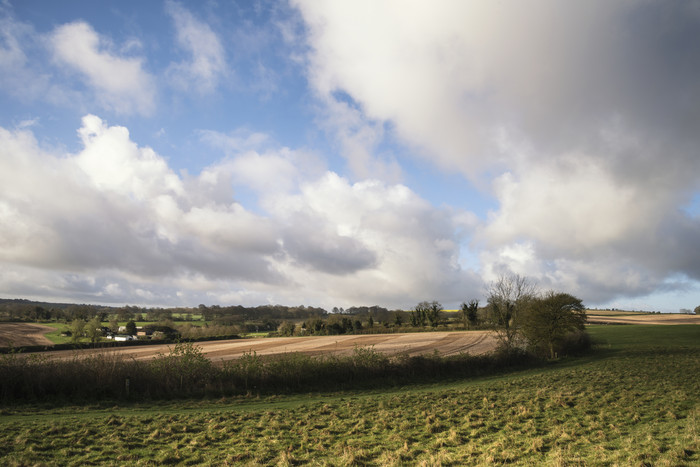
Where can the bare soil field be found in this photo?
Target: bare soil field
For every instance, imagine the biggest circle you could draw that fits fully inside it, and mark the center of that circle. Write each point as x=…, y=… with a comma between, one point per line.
x=647, y=318
x=16, y=334
x=446, y=343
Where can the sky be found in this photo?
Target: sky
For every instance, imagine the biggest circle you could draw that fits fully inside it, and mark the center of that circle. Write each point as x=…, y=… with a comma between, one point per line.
x=344, y=154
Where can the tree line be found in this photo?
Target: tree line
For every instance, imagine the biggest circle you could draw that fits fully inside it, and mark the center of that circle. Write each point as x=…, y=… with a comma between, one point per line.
x=520, y=315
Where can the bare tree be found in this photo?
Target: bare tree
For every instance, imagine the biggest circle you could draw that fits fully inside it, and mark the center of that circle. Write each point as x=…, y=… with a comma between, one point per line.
x=508, y=298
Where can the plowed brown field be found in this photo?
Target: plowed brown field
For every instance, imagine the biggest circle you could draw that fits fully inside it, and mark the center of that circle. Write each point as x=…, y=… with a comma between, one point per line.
x=447, y=343
x=16, y=334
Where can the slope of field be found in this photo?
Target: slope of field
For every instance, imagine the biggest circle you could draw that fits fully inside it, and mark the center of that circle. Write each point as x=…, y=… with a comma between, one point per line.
x=603, y=317
x=633, y=402
x=446, y=343
x=17, y=334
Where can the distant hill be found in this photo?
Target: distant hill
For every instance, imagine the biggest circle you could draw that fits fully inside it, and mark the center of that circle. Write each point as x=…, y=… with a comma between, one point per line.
x=61, y=306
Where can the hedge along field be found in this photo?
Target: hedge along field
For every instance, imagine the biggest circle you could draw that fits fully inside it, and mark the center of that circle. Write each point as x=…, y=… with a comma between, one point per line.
x=634, y=401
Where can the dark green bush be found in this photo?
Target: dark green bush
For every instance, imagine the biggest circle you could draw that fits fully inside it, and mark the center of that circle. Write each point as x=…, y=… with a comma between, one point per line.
x=575, y=343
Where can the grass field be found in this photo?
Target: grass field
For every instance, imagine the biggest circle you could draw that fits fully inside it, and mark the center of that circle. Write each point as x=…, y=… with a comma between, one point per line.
x=55, y=335
x=634, y=401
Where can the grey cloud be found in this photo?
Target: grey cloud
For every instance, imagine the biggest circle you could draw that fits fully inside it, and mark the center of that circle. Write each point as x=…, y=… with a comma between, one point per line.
x=312, y=245
x=590, y=111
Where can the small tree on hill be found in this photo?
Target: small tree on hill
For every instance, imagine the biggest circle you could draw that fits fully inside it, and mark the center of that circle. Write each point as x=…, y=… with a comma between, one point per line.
x=77, y=328
x=469, y=312
x=434, y=313
x=114, y=324
x=93, y=329
x=287, y=328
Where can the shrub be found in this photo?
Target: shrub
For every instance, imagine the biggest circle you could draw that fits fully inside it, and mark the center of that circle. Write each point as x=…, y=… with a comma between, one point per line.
x=574, y=343
x=184, y=370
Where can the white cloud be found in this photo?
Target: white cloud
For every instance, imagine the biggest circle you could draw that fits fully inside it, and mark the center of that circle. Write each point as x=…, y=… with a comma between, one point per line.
x=207, y=58
x=113, y=162
x=119, y=83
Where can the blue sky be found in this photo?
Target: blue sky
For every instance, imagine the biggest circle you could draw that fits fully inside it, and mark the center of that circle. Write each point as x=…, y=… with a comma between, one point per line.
x=349, y=153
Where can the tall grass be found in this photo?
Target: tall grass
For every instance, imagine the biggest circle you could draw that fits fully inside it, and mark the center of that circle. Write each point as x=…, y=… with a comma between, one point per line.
x=186, y=372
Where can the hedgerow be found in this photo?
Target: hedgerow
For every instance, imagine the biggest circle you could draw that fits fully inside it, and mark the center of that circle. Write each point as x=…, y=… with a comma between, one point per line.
x=186, y=372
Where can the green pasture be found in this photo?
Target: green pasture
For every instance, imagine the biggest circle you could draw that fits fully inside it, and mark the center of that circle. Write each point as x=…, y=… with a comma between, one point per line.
x=256, y=334
x=633, y=401
x=55, y=335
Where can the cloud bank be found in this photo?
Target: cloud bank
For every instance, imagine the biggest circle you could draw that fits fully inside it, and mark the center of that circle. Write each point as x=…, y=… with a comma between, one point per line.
x=114, y=220
x=583, y=117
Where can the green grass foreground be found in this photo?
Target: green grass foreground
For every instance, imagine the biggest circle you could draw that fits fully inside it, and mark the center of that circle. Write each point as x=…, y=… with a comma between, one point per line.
x=634, y=401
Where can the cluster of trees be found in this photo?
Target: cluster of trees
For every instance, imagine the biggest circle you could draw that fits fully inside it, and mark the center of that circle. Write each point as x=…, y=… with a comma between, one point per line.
x=94, y=330
x=521, y=316
x=544, y=322
x=426, y=313
x=261, y=313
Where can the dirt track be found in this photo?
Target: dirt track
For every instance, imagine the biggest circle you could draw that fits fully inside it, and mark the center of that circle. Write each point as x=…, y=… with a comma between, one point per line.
x=16, y=334
x=447, y=343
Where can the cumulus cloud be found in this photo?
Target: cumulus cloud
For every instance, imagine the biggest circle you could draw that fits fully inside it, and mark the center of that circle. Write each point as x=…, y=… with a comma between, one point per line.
x=114, y=223
x=120, y=83
x=206, y=63
x=583, y=116
x=118, y=206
